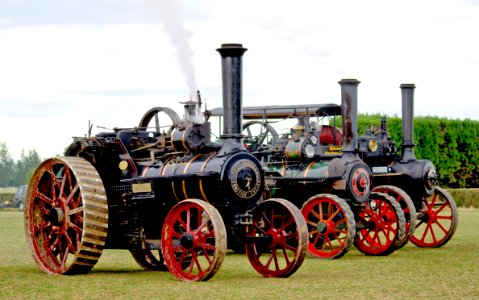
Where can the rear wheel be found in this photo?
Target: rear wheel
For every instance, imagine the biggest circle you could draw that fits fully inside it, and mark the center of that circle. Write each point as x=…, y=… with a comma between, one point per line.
x=407, y=206
x=193, y=240
x=331, y=226
x=66, y=216
x=380, y=225
x=276, y=242
x=438, y=220
x=149, y=260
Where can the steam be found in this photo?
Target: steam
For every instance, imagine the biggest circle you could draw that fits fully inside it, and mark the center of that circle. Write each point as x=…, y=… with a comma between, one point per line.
x=168, y=11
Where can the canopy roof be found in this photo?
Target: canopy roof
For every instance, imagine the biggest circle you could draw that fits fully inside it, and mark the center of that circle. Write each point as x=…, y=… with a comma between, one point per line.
x=285, y=111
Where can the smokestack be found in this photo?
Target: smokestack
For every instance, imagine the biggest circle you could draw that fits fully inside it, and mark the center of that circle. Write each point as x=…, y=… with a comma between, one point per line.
x=407, y=91
x=349, y=109
x=231, y=65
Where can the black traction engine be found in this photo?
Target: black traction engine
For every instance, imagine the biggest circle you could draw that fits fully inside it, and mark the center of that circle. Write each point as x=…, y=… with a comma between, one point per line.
x=170, y=196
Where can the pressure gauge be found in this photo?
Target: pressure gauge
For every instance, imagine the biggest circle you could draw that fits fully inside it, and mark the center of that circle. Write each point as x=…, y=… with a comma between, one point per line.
x=309, y=151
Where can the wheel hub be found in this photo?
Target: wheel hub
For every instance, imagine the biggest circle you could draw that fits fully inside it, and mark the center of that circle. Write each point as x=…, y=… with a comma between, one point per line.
x=322, y=227
x=56, y=216
x=187, y=241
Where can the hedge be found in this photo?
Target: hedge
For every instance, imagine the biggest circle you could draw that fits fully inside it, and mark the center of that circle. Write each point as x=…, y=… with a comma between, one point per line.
x=465, y=197
x=452, y=145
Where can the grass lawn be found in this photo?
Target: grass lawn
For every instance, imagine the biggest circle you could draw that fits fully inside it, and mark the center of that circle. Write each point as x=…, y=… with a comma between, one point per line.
x=448, y=272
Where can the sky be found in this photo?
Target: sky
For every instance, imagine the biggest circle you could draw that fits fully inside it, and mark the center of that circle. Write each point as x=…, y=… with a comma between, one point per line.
x=64, y=64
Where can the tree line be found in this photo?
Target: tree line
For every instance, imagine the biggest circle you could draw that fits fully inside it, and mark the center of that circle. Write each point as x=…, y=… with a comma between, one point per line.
x=452, y=145
x=15, y=173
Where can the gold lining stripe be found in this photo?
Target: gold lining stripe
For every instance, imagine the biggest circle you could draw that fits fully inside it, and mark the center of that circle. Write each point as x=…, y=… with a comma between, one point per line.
x=308, y=168
x=174, y=192
x=145, y=170
x=183, y=140
x=201, y=182
x=165, y=166
x=172, y=142
x=183, y=182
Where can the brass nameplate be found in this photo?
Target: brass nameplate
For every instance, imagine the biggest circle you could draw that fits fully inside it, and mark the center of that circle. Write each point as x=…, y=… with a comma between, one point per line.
x=141, y=187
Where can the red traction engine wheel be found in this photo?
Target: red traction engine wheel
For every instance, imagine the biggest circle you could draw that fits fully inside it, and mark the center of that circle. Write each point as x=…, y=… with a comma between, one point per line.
x=193, y=240
x=380, y=225
x=437, y=221
x=331, y=226
x=66, y=216
x=277, y=240
x=407, y=206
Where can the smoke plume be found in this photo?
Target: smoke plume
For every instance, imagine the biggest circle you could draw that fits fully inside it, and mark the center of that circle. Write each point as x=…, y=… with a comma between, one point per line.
x=168, y=11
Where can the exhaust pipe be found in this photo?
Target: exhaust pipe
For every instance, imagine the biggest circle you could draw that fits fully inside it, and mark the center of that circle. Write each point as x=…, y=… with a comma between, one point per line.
x=349, y=111
x=407, y=90
x=231, y=65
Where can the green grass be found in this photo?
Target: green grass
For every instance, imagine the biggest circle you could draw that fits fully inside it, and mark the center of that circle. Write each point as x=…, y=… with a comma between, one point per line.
x=448, y=272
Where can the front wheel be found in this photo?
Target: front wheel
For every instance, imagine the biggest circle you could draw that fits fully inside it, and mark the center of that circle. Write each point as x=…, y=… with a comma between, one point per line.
x=407, y=206
x=380, y=225
x=331, y=226
x=437, y=220
x=193, y=240
x=277, y=240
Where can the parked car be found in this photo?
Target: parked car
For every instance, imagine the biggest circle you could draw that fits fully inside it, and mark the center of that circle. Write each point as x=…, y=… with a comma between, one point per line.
x=19, y=197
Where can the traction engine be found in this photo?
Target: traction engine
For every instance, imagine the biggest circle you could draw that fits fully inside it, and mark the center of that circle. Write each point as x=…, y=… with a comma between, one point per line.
x=318, y=168
x=173, y=198
x=430, y=211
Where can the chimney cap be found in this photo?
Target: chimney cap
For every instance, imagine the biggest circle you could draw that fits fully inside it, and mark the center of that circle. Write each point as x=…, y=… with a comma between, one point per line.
x=349, y=80
x=407, y=86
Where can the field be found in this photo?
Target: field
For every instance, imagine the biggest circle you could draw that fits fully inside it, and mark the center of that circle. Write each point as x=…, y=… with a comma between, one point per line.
x=448, y=272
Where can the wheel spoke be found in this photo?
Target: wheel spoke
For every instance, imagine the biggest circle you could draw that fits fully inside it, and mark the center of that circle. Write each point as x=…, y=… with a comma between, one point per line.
x=71, y=195
x=43, y=197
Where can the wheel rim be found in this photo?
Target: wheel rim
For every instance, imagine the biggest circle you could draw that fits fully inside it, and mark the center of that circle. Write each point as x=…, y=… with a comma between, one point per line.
x=66, y=216
x=254, y=141
x=381, y=223
x=331, y=226
x=408, y=208
x=193, y=240
x=149, y=260
x=154, y=114
x=276, y=243
x=438, y=221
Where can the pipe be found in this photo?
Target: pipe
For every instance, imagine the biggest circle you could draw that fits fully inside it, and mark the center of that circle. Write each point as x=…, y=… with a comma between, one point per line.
x=231, y=65
x=407, y=90
x=349, y=111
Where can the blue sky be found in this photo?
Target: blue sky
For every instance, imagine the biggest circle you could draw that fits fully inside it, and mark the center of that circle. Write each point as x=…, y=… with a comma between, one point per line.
x=63, y=63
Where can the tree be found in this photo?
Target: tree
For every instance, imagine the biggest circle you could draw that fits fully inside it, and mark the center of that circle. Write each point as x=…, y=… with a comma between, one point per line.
x=7, y=167
x=25, y=166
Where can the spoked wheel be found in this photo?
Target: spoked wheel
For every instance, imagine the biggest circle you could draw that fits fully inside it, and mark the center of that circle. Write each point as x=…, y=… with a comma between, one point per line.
x=258, y=133
x=438, y=220
x=193, y=240
x=149, y=260
x=66, y=216
x=154, y=113
x=277, y=240
x=380, y=225
x=407, y=206
x=331, y=226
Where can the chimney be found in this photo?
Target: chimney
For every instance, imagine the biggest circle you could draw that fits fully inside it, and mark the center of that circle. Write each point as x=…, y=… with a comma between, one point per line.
x=407, y=91
x=231, y=64
x=349, y=110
